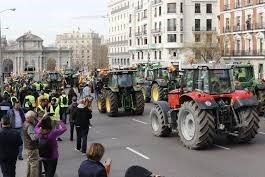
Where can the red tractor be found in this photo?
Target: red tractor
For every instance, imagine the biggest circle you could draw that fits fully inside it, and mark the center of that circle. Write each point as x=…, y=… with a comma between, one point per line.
x=204, y=105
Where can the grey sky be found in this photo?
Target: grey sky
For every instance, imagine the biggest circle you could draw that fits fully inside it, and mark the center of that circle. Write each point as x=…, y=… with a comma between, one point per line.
x=46, y=18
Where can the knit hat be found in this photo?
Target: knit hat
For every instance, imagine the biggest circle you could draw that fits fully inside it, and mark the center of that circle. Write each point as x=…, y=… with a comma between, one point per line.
x=137, y=171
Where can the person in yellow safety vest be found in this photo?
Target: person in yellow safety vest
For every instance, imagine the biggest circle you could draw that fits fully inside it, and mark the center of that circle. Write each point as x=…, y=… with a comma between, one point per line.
x=30, y=99
x=37, y=85
x=43, y=96
x=54, y=110
x=42, y=108
x=63, y=102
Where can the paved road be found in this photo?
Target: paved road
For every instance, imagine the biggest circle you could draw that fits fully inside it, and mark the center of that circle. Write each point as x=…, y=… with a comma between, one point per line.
x=128, y=141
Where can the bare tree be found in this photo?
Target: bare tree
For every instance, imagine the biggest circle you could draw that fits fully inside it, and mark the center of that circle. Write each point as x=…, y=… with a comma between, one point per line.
x=51, y=64
x=209, y=48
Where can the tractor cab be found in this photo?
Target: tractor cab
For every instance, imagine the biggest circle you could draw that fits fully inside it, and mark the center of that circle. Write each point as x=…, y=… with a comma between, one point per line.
x=208, y=79
x=122, y=78
x=244, y=75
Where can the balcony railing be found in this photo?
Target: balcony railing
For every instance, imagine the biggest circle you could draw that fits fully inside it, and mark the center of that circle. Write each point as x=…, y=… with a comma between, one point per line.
x=250, y=3
x=260, y=1
x=157, y=30
x=244, y=53
x=156, y=1
x=226, y=7
x=204, y=29
x=144, y=32
x=238, y=5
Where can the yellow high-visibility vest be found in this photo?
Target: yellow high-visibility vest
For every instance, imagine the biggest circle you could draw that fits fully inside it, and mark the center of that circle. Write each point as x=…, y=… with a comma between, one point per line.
x=56, y=112
x=31, y=100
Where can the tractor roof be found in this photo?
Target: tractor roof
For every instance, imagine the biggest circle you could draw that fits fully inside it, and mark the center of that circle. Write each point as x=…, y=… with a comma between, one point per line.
x=122, y=71
x=206, y=65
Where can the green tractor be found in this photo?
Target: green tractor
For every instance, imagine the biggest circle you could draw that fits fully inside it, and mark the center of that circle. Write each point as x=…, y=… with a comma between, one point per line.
x=245, y=79
x=158, y=80
x=121, y=94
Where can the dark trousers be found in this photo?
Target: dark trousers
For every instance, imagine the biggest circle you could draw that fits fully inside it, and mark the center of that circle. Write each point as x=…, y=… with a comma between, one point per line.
x=63, y=115
x=50, y=167
x=8, y=167
x=72, y=126
x=81, y=141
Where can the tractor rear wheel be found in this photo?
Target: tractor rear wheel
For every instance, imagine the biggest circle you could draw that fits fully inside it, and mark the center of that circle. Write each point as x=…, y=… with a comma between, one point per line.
x=196, y=127
x=112, y=103
x=250, y=120
x=101, y=103
x=139, y=103
x=157, y=93
x=158, y=122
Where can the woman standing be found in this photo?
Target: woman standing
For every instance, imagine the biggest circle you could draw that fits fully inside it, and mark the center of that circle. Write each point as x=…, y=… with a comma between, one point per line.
x=48, y=144
x=92, y=167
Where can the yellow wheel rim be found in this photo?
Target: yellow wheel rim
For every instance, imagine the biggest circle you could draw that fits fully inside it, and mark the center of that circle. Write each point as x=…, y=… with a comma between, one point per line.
x=155, y=94
x=99, y=104
x=108, y=104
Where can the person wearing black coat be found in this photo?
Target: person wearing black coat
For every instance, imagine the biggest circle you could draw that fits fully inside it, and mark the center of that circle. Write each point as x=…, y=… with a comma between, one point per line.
x=82, y=117
x=9, y=148
x=71, y=94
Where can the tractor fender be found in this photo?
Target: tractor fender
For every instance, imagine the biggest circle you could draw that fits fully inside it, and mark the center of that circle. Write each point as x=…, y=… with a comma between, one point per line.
x=204, y=101
x=165, y=108
x=245, y=102
x=161, y=82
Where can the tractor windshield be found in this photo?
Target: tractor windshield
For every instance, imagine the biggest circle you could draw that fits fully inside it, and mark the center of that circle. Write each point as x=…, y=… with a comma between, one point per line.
x=244, y=74
x=125, y=80
x=220, y=81
x=161, y=73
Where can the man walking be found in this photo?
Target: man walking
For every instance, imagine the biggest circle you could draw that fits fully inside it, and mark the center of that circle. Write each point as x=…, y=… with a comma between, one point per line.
x=71, y=111
x=63, y=106
x=31, y=144
x=10, y=141
x=17, y=119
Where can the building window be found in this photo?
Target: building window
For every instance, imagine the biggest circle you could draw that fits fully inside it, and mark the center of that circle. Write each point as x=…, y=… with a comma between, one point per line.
x=160, y=11
x=159, y=39
x=172, y=38
x=138, y=41
x=142, y=55
x=261, y=47
x=145, y=41
x=160, y=26
x=209, y=8
x=130, y=42
x=197, y=24
x=197, y=8
x=155, y=53
x=145, y=13
x=128, y=61
x=181, y=24
x=171, y=8
x=171, y=24
x=181, y=38
x=181, y=7
x=238, y=46
x=138, y=53
x=133, y=56
x=209, y=24
x=160, y=55
x=197, y=38
x=155, y=12
x=130, y=18
x=138, y=17
x=155, y=39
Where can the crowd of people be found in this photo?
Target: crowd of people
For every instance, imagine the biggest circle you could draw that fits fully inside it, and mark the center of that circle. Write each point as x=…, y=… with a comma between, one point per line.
x=33, y=118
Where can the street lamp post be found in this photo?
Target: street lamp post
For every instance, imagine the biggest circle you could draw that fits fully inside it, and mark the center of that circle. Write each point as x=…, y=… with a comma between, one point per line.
x=1, y=53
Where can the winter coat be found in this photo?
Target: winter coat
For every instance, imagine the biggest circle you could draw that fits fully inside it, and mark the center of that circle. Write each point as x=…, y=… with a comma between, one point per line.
x=71, y=111
x=82, y=116
x=91, y=168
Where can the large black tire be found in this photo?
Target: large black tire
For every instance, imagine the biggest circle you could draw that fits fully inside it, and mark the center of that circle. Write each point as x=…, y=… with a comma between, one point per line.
x=139, y=103
x=250, y=120
x=157, y=93
x=113, y=105
x=201, y=124
x=159, y=121
x=101, y=103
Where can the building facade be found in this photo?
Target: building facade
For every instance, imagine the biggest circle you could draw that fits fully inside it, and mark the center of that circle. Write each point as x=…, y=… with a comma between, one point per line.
x=28, y=51
x=160, y=30
x=118, y=18
x=242, y=28
x=85, y=47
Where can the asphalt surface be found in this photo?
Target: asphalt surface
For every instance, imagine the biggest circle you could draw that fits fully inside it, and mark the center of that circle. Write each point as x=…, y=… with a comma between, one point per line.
x=129, y=141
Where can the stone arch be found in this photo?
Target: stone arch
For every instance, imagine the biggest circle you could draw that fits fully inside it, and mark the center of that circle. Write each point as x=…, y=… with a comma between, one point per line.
x=8, y=66
x=51, y=64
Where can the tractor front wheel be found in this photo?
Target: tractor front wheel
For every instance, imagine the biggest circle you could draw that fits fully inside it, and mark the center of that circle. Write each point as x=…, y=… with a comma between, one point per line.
x=158, y=122
x=112, y=103
x=101, y=103
x=156, y=93
x=139, y=103
x=196, y=127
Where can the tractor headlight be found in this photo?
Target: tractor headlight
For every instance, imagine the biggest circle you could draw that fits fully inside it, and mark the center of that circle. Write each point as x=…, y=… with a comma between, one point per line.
x=208, y=103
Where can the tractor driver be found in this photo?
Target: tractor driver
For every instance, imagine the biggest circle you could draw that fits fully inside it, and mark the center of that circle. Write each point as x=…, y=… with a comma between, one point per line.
x=215, y=82
x=241, y=75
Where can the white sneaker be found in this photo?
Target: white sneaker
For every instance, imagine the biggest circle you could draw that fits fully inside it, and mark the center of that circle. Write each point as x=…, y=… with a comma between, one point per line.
x=76, y=149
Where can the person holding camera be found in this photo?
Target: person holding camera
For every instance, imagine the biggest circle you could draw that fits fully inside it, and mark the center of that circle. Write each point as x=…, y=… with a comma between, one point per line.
x=92, y=167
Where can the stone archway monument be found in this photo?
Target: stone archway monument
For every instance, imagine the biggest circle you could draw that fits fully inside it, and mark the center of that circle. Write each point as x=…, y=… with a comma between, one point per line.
x=51, y=64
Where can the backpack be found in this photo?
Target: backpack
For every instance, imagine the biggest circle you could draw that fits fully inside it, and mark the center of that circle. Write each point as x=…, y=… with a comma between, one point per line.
x=44, y=147
x=64, y=101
